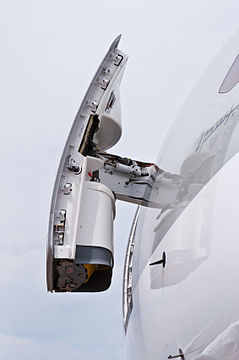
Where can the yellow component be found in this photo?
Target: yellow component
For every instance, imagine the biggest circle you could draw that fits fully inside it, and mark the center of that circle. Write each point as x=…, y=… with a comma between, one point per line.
x=90, y=268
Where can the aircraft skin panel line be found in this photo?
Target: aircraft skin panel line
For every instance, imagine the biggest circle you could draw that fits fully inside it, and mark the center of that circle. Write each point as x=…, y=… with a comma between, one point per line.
x=189, y=307
x=180, y=282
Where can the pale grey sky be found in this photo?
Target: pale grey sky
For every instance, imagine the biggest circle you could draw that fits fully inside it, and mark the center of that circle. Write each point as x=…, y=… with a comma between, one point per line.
x=50, y=49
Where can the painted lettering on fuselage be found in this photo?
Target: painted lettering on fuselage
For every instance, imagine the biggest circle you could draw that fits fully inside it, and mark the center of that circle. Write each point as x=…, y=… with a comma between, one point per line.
x=222, y=121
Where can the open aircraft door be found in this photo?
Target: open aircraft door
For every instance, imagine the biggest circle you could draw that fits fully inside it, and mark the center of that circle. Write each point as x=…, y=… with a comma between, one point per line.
x=89, y=180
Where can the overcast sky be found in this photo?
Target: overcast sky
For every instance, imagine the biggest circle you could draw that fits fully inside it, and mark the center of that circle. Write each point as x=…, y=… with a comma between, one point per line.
x=50, y=50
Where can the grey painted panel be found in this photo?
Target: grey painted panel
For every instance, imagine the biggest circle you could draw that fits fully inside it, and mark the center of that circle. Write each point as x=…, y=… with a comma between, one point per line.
x=93, y=255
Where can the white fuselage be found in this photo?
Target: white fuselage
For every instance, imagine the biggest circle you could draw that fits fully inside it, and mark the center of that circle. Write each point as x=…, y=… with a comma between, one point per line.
x=189, y=307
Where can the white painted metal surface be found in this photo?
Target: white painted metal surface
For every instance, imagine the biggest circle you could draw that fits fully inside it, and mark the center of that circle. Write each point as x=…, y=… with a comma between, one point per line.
x=75, y=220
x=189, y=308
x=194, y=299
x=180, y=289
x=90, y=213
